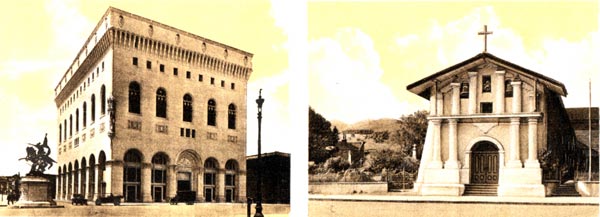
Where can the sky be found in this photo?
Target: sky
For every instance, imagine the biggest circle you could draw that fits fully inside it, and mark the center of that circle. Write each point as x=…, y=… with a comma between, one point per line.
x=362, y=55
x=39, y=40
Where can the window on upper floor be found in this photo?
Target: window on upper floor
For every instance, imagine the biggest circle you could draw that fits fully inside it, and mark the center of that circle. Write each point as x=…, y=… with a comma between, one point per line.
x=161, y=103
x=222, y=83
x=175, y=71
x=187, y=108
x=486, y=107
x=188, y=74
x=231, y=116
x=135, y=61
x=93, y=108
x=508, y=89
x=84, y=109
x=134, y=97
x=162, y=68
x=212, y=81
x=464, y=90
x=148, y=64
x=233, y=86
x=77, y=120
x=200, y=78
x=102, y=100
x=212, y=113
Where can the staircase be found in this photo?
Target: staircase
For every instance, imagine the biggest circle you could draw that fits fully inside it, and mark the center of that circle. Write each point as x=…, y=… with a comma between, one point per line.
x=565, y=190
x=481, y=190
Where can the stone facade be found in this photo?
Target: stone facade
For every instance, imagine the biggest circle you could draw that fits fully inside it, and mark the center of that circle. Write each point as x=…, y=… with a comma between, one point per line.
x=146, y=110
x=488, y=120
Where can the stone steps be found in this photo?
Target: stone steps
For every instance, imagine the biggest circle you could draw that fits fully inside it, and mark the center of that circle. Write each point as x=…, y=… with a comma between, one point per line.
x=565, y=190
x=481, y=190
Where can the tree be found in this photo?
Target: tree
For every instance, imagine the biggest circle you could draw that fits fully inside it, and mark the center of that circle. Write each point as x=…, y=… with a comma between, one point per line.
x=412, y=129
x=320, y=136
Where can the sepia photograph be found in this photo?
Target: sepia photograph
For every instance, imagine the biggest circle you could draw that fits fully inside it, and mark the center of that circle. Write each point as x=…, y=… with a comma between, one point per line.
x=456, y=108
x=147, y=108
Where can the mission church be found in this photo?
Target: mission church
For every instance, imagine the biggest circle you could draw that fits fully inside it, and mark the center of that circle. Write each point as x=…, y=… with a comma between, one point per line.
x=489, y=118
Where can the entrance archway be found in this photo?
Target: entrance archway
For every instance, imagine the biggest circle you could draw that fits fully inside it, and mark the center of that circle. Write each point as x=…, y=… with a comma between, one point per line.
x=485, y=163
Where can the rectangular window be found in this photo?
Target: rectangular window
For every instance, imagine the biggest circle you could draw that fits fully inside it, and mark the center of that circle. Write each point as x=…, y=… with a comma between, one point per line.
x=222, y=83
x=212, y=81
x=486, y=107
x=188, y=74
x=486, y=84
x=162, y=68
x=135, y=61
x=200, y=78
x=148, y=65
x=102, y=65
x=193, y=133
x=464, y=90
x=233, y=86
x=181, y=132
x=187, y=133
x=508, y=89
x=175, y=71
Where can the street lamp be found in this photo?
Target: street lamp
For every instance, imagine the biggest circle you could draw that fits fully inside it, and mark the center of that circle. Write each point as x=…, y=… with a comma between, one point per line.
x=258, y=213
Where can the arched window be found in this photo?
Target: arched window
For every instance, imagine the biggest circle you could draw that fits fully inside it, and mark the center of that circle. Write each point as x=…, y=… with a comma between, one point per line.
x=77, y=120
x=210, y=179
x=93, y=108
x=103, y=98
x=59, y=134
x=70, y=125
x=161, y=103
x=84, y=109
x=134, y=97
x=231, y=116
x=187, y=108
x=132, y=176
x=65, y=131
x=159, y=177
x=212, y=113
x=231, y=169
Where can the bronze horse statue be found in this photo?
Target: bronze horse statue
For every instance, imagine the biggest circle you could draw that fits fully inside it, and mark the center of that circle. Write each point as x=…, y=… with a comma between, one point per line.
x=40, y=159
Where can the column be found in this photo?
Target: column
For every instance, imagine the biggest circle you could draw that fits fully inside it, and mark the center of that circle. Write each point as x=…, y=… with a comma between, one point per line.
x=436, y=161
x=96, y=181
x=78, y=184
x=440, y=104
x=171, y=181
x=455, y=98
x=472, y=92
x=516, y=103
x=532, y=160
x=452, y=144
x=200, y=184
x=146, y=184
x=114, y=177
x=58, y=186
x=499, y=93
x=221, y=185
x=69, y=184
x=86, y=189
x=514, y=159
x=433, y=101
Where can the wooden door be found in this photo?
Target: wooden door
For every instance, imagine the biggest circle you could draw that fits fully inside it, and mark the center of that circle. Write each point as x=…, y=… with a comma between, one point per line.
x=484, y=164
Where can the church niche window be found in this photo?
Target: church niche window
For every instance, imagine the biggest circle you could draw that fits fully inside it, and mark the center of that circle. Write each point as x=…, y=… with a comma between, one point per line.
x=508, y=89
x=161, y=103
x=486, y=84
x=187, y=108
x=464, y=90
x=486, y=107
x=134, y=97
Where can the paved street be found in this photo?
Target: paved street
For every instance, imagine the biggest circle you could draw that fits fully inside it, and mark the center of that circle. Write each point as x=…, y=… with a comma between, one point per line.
x=162, y=209
x=413, y=208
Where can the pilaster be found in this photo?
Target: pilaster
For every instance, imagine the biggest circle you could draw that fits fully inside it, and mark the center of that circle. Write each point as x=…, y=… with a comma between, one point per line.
x=499, y=93
x=472, y=109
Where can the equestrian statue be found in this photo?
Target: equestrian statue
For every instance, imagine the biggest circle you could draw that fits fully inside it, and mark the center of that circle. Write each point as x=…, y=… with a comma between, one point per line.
x=39, y=156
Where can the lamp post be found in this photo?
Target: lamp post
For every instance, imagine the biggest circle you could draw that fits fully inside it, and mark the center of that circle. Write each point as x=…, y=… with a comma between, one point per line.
x=258, y=213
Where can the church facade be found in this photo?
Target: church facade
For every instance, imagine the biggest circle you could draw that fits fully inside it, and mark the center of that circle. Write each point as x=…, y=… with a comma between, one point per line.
x=147, y=110
x=489, y=120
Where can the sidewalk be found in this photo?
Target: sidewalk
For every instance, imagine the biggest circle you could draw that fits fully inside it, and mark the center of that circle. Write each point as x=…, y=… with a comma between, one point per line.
x=408, y=198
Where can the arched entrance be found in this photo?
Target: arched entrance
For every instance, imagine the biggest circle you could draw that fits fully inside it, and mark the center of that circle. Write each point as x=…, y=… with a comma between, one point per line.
x=484, y=163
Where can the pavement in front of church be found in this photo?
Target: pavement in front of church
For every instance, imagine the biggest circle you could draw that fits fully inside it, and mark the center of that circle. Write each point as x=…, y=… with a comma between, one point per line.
x=409, y=197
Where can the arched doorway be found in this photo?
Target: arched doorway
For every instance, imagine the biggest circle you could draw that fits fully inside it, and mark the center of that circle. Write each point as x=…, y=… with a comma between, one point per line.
x=231, y=170
x=132, y=176
x=187, y=169
x=159, y=177
x=484, y=163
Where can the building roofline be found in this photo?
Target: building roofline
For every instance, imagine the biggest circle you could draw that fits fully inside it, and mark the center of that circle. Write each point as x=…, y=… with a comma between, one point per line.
x=275, y=153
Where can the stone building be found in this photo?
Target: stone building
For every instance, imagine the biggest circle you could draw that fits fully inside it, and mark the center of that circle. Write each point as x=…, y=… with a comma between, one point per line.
x=489, y=119
x=146, y=110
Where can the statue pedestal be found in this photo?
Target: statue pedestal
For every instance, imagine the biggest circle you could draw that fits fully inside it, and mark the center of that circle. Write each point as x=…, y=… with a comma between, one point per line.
x=34, y=194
